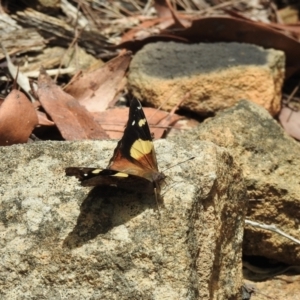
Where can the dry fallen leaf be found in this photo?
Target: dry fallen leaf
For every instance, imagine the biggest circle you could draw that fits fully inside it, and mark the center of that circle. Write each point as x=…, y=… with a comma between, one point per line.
x=43, y=119
x=164, y=9
x=115, y=129
x=21, y=79
x=290, y=121
x=227, y=29
x=17, y=119
x=97, y=89
x=72, y=120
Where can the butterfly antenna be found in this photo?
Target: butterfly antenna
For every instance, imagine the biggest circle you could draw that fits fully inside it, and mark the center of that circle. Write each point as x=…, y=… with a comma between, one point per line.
x=173, y=90
x=179, y=163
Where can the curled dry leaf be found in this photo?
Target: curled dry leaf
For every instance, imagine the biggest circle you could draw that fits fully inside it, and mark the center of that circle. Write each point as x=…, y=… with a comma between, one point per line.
x=115, y=130
x=227, y=29
x=72, y=120
x=290, y=121
x=22, y=80
x=164, y=9
x=17, y=119
x=97, y=89
x=137, y=44
x=42, y=117
x=142, y=31
x=167, y=18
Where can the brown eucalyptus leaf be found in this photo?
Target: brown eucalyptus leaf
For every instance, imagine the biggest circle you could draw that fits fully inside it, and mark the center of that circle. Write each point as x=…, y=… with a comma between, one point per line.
x=97, y=89
x=290, y=121
x=72, y=120
x=114, y=120
x=17, y=119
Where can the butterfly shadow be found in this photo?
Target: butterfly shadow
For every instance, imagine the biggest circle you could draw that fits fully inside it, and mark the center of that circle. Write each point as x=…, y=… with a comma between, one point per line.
x=105, y=208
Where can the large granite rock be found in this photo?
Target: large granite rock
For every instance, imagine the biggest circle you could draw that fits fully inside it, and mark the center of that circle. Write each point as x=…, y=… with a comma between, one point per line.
x=270, y=162
x=61, y=240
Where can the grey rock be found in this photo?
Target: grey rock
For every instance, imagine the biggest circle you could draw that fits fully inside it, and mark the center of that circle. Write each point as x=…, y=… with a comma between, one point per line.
x=270, y=162
x=209, y=76
x=63, y=241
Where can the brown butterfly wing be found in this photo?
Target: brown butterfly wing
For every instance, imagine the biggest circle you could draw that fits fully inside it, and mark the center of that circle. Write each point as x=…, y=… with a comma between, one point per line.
x=106, y=177
x=133, y=165
x=135, y=152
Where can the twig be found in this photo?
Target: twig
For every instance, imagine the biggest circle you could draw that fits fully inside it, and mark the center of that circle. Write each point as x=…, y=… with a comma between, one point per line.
x=20, y=78
x=273, y=228
x=74, y=41
x=73, y=12
x=51, y=72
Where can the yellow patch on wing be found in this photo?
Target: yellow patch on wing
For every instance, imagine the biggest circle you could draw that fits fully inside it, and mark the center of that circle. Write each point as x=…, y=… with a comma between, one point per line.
x=142, y=122
x=96, y=171
x=140, y=148
x=119, y=174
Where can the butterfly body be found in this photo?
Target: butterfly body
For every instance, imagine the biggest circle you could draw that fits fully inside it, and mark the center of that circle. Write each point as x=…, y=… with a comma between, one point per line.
x=133, y=165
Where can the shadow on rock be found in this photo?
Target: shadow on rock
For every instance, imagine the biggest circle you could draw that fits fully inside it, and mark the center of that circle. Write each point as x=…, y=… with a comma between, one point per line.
x=103, y=209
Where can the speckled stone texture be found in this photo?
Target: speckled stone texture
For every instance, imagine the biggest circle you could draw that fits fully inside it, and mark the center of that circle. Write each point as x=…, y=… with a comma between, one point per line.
x=209, y=76
x=63, y=241
x=270, y=162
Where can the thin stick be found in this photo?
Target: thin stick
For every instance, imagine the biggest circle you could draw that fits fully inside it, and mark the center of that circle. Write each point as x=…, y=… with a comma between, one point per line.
x=273, y=228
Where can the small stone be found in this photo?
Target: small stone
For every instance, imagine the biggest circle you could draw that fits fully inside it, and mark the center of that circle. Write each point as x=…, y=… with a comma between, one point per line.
x=216, y=76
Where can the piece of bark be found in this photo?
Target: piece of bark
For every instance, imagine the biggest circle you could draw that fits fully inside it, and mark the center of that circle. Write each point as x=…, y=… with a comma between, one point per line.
x=69, y=60
x=59, y=32
x=21, y=41
x=7, y=24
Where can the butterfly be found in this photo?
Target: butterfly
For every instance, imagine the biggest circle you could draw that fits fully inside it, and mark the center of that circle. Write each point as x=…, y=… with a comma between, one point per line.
x=133, y=165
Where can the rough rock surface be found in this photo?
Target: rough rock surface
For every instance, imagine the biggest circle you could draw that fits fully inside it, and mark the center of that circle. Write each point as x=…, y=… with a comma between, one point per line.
x=280, y=287
x=216, y=76
x=270, y=162
x=62, y=241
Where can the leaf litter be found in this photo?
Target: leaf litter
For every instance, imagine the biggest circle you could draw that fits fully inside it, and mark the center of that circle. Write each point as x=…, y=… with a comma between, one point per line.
x=72, y=119
x=84, y=109
x=95, y=92
x=18, y=118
